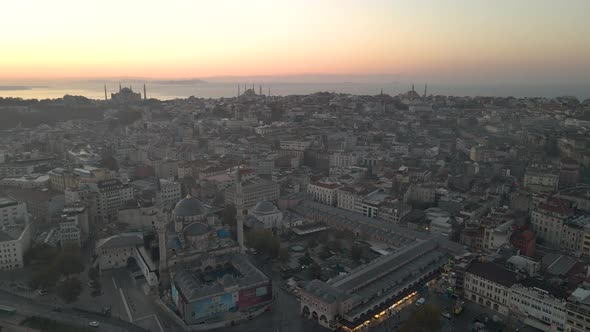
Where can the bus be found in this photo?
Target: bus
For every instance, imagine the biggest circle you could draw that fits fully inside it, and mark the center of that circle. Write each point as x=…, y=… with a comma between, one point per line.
x=7, y=310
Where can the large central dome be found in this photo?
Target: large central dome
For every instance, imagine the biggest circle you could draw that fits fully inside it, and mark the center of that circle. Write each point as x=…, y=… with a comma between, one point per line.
x=264, y=207
x=189, y=207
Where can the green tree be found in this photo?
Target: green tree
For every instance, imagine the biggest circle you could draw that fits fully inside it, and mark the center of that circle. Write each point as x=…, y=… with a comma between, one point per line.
x=424, y=319
x=69, y=289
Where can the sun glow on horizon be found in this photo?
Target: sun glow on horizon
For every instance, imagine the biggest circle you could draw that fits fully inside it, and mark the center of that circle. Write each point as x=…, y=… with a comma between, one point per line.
x=185, y=39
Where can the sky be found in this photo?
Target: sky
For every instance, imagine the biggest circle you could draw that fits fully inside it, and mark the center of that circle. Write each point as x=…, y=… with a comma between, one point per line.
x=479, y=40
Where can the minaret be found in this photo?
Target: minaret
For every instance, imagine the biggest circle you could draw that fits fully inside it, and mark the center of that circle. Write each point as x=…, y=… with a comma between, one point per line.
x=253, y=88
x=240, y=209
x=260, y=90
x=413, y=87
x=425, y=89
x=269, y=92
x=105, y=92
x=119, y=87
x=144, y=92
x=162, y=228
x=238, y=90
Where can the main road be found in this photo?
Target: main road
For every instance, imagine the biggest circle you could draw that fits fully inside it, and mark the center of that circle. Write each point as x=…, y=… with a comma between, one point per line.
x=27, y=307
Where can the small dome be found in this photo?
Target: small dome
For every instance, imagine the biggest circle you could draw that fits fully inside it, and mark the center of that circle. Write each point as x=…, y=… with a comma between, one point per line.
x=196, y=229
x=264, y=207
x=188, y=207
x=228, y=280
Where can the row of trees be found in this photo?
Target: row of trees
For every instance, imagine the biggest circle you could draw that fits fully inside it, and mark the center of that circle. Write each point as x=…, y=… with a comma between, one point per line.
x=50, y=265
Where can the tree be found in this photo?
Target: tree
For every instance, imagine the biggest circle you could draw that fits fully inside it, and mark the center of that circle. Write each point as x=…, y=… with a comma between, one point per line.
x=50, y=263
x=305, y=259
x=93, y=273
x=69, y=261
x=312, y=243
x=325, y=253
x=356, y=252
x=229, y=215
x=264, y=241
x=424, y=319
x=69, y=289
x=284, y=255
x=334, y=245
x=110, y=163
x=315, y=270
x=44, y=278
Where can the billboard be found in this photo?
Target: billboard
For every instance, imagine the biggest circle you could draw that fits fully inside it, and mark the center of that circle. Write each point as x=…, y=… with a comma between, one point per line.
x=177, y=300
x=213, y=306
x=254, y=296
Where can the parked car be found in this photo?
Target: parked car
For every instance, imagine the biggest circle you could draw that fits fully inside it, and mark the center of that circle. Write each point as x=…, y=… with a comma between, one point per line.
x=92, y=284
x=57, y=309
x=94, y=324
x=420, y=301
x=42, y=292
x=447, y=315
x=96, y=292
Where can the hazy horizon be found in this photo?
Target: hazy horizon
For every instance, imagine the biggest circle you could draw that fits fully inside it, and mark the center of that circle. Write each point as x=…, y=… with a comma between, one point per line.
x=448, y=40
x=215, y=87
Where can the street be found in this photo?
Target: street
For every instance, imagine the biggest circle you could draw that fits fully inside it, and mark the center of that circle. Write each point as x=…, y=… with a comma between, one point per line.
x=29, y=307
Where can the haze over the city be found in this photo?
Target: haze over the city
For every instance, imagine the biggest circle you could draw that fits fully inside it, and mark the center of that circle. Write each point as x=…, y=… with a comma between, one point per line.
x=447, y=41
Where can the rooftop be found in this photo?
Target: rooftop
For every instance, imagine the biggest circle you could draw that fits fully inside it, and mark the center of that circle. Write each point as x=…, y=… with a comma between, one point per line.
x=237, y=271
x=6, y=202
x=493, y=272
x=120, y=240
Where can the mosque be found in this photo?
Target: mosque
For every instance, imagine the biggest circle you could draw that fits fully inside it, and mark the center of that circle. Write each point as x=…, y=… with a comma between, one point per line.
x=188, y=233
x=265, y=215
x=205, y=274
x=125, y=95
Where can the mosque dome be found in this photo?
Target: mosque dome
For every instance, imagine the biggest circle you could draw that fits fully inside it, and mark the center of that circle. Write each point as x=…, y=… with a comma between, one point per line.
x=264, y=207
x=228, y=280
x=196, y=229
x=189, y=207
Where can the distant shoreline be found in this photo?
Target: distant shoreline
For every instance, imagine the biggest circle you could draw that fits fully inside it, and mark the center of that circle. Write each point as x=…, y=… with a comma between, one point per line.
x=14, y=88
x=20, y=87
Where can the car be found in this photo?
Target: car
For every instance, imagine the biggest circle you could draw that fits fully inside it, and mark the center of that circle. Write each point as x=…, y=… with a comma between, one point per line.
x=94, y=324
x=420, y=301
x=92, y=284
x=106, y=310
x=42, y=292
x=96, y=292
x=447, y=315
x=57, y=309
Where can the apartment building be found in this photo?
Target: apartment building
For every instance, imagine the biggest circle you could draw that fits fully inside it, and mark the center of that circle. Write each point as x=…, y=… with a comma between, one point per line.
x=323, y=192
x=489, y=285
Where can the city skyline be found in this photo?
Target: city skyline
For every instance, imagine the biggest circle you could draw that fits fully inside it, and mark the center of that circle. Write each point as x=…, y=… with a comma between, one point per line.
x=448, y=40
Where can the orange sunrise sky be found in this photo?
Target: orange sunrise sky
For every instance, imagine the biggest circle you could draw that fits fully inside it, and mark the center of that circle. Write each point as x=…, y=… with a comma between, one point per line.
x=524, y=39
